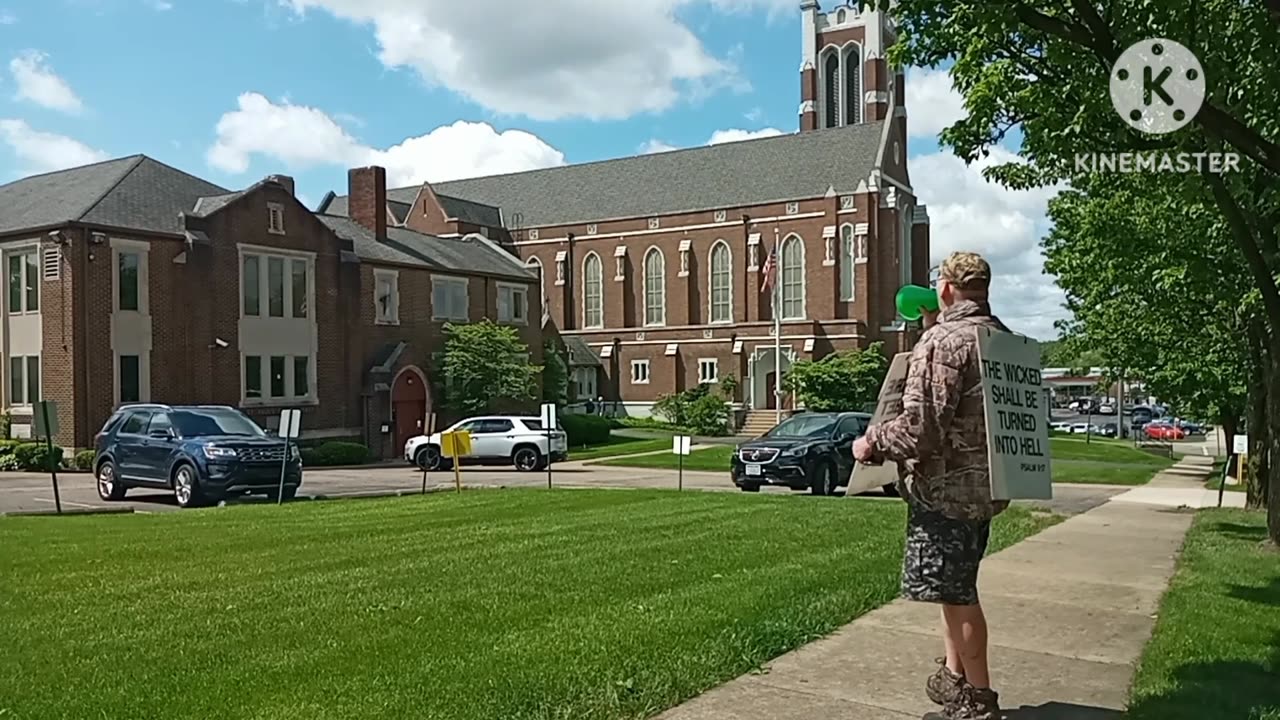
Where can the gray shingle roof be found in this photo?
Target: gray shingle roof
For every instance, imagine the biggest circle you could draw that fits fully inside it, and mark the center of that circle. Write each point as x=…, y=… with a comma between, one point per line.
x=131, y=192
x=739, y=174
x=406, y=247
x=471, y=212
x=580, y=353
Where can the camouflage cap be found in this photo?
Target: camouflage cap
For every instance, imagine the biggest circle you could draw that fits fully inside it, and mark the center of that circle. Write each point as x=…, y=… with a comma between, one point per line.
x=966, y=270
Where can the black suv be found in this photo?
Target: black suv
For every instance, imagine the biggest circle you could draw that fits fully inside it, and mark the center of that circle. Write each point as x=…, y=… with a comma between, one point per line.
x=202, y=453
x=810, y=451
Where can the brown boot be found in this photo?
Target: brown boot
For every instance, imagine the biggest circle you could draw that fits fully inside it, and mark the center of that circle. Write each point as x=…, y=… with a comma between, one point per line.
x=943, y=686
x=973, y=703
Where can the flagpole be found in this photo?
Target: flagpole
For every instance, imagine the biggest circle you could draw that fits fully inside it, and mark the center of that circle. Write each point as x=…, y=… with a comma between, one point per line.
x=777, y=326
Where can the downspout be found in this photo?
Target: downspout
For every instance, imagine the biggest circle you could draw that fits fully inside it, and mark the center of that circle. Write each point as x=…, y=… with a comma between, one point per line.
x=569, y=314
x=80, y=348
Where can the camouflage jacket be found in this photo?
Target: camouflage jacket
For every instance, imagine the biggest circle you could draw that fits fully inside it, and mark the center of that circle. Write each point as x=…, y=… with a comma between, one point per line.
x=939, y=441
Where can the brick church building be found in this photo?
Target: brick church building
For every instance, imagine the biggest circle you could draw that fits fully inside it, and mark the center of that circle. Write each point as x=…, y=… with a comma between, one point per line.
x=656, y=262
x=132, y=281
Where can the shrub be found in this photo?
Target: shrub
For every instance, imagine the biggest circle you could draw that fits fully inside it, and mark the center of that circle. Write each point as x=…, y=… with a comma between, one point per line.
x=84, y=459
x=36, y=456
x=335, y=454
x=9, y=462
x=586, y=429
x=707, y=415
x=7, y=446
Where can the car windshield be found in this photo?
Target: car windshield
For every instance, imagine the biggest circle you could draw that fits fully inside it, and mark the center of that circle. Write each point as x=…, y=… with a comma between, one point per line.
x=803, y=426
x=201, y=423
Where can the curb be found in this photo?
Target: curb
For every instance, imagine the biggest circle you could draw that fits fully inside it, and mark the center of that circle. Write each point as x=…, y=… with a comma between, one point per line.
x=109, y=510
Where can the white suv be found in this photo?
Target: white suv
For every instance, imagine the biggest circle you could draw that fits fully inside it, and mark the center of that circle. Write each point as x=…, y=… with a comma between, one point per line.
x=495, y=440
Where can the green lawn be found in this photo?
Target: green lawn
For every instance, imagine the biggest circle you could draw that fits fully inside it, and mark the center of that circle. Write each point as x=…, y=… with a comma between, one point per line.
x=1074, y=461
x=1215, y=652
x=619, y=446
x=518, y=605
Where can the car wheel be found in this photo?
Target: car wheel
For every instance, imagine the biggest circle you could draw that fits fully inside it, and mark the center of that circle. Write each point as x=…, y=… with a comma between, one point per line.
x=289, y=494
x=428, y=458
x=527, y=459
x=186, y=488
x=109, y=485
x=749, y=488
x=823, y=480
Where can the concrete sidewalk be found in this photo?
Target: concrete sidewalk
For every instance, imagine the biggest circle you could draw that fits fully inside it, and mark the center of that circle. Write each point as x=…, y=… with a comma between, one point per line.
x=1182, y=486
x=1070, y=611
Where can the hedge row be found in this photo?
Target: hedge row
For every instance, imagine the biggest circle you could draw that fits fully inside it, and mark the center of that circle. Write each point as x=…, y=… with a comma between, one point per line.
x=28, y=456
x=586, y=429
x=334, y=454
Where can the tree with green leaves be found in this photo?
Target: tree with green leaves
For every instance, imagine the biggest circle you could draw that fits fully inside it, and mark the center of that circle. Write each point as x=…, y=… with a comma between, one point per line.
x=1042, y=71
x=487, y=368
x=841, y=382
x=555, y=373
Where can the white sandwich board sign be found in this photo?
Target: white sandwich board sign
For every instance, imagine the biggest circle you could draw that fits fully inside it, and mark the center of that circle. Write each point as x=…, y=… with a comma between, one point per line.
x=1017, y=431
x=869, y=477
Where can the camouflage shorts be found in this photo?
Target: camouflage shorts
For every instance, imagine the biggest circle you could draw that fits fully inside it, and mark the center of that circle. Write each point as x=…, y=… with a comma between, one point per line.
x=942, y=556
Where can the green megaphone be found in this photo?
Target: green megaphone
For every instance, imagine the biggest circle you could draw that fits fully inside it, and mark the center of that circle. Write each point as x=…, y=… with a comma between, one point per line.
x=911, y=298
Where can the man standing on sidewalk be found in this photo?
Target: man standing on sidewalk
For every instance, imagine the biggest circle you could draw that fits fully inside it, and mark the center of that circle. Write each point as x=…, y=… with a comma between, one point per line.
x=939, y=442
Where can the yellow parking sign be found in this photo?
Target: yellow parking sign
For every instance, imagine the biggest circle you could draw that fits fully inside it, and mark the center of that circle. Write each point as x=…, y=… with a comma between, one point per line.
x=455, y=444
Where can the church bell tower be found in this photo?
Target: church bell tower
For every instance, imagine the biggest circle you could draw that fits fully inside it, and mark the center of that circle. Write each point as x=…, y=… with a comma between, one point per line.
x=844, y=77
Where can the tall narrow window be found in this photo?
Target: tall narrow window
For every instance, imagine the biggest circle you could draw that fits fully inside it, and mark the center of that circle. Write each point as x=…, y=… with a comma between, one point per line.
x=905, y=261
x=277, y=376
x=847, y=257
x=301, y=376
x=655, y=288
x=15, y=283
x=275, y=287
x=535, y=265
x=130, y=379
x=793, y=278
x=298, y=295
x=831, y=87
x=593, y=292
x=250, y=281
x=24, y=276
x=721, y=283
x=127, y=280
x=853, y=85
x=253, y=377
x=33, y=276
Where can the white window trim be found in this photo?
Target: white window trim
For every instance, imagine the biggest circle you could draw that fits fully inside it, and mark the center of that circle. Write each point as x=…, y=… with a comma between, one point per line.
x=264, y=291
x=713, y=363
x=782, y=282
x=311, y=319
x=274, y=211
x=394, y=277
x=535, y=264
x=25, y=406
x=289, y=399
x=638, y=364
x=466, y=297
x=711, y=283
x=24, y=249
x=848, y=262
x=121, y=246
x=662, y=287
x=144, y=375
x=513, y=288
x=586, y=282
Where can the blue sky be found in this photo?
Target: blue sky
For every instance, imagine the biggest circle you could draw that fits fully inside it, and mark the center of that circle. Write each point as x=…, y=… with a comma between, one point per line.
x=233, y=90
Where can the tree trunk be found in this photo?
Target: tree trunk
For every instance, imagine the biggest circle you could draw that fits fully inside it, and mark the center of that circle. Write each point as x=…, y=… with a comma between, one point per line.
x=1269, y=457
x=1257, y=422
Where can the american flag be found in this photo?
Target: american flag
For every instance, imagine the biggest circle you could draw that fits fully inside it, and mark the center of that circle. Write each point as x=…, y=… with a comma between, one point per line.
x=770, y=271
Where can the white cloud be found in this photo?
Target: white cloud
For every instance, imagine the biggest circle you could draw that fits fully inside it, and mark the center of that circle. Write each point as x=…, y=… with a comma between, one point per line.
x=656, y=146
x=161, y=5
x=550, y=59
x=38, y=83
x=932, y=103
x=968, y=213
x=735, y=135
x=40, y=152
x=8, y=18
x=300, y=137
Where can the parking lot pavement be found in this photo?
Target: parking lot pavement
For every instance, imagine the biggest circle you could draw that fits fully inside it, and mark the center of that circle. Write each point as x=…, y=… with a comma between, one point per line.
x=33, y=491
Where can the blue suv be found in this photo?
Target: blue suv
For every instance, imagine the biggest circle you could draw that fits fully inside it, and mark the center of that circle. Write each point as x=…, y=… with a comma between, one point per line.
x=202, y=453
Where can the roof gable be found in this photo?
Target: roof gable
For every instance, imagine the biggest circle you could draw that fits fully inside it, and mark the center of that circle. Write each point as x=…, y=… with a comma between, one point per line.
x=472, y=255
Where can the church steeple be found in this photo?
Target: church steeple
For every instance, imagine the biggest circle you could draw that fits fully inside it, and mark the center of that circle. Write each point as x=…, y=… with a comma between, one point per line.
x=844, y=78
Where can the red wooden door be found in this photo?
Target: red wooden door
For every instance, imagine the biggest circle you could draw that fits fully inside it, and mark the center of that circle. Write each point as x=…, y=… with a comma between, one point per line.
x=409, y=407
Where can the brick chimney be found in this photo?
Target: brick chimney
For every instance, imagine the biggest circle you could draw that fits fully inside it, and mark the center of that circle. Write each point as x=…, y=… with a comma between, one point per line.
x=367, y=198
x=283, y=181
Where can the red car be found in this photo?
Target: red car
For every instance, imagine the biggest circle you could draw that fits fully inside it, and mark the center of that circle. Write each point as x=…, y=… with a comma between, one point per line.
x=1164, y=431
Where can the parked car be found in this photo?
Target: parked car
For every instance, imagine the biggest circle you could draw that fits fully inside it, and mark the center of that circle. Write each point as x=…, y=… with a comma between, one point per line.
x=1060, y=427
x=1109, y=430
x=810, y=451
x=1142, y=415
x=1191, y=428
x=495, y=440
x=1106, y=409
x=202, y=453
x=1163, y=431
